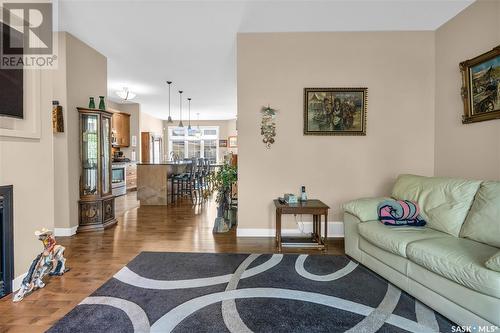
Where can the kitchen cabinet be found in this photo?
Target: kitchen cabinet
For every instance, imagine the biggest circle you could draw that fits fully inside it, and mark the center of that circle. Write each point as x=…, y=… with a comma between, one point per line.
x=131, y=170
x=121, y=129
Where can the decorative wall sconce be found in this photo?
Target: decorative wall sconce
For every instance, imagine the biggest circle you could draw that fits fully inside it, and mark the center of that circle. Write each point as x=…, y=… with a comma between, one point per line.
x=268, y=126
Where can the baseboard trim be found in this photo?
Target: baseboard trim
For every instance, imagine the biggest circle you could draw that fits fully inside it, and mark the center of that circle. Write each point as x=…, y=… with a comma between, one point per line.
x=335, y=229
x=16, y=283
x=64, y=232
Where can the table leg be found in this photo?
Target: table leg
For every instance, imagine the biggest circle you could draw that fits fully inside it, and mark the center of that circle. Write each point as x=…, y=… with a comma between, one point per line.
x=326, y=229
x=314, y=227
x=278, y=230
x=318, y=228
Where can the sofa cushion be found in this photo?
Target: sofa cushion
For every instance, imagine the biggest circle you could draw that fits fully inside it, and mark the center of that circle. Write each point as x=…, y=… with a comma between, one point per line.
x=483, y=221
x=395, y=239
x=493, y=262
x=364, y=209
x=444, y=202
x=458, y=259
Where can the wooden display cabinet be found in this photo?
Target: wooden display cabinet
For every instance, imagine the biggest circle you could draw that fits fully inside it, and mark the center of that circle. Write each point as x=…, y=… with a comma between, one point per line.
x=97, y=203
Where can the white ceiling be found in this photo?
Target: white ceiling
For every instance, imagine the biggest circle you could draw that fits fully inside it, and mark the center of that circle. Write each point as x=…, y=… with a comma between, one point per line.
x=193, y=43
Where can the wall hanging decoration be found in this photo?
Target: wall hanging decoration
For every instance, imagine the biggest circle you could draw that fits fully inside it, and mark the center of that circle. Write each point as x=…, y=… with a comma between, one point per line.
x=57, y=118
x=268, y=126
x=223, y=143
x=335, y=111
x=51, y=261
x=481, y=87
x=232, y=142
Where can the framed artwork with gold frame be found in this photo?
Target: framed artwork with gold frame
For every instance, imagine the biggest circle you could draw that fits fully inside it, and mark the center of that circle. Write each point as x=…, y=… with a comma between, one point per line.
x=335, y=111
x=481, y=87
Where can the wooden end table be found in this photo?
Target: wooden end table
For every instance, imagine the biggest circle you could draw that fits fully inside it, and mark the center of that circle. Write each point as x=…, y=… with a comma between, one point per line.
x=314, y=207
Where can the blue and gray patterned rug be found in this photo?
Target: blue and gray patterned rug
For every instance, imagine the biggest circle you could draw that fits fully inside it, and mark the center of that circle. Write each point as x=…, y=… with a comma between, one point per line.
x=204, y=292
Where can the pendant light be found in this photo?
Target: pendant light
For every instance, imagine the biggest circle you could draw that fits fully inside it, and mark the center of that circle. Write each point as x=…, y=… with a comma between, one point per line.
x=180, y=108
x=198, y=131
x=169, y=120
x=189, y=113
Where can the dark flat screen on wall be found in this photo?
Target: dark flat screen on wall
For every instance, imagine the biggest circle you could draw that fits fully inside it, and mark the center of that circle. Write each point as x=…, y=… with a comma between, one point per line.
x=11, y=83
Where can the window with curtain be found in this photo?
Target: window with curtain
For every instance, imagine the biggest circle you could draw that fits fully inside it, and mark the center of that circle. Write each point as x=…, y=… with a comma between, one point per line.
x=194, y=143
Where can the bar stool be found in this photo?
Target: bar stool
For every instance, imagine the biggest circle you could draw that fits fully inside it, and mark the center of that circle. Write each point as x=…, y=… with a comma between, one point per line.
x=206, y=175
x=184, y=183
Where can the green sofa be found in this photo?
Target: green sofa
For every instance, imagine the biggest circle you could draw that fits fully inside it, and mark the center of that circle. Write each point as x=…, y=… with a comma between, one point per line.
x=453, y=263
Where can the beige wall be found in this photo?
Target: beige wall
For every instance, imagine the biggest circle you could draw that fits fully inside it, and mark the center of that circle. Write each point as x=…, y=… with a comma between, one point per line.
x=473, y=150
x=28, y=165
x=134, y=110
x=61, y=140
x=149, y=123
x=398, y=69
x=84, y=75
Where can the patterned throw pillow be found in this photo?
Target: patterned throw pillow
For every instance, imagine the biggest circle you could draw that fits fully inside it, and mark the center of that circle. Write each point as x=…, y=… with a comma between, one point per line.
x=399, y=212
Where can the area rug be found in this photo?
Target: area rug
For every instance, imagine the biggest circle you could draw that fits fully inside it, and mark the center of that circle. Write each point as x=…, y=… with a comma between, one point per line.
x=205, y=292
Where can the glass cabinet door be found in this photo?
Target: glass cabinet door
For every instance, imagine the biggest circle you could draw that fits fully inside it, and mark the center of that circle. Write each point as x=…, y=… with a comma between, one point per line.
x=90, y=154
x=106, y=153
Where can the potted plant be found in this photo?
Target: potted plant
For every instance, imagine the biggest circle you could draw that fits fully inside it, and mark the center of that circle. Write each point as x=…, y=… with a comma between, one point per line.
x=223, y=182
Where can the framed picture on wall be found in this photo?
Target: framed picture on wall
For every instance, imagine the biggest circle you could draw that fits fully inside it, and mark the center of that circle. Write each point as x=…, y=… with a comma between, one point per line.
x=222, y=143
x=233, y=142
x=335, y=111
x=481, y=87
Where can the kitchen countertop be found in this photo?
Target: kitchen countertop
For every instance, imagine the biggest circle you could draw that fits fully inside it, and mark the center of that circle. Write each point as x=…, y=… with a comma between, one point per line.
x=123, y=162
x=166, y=163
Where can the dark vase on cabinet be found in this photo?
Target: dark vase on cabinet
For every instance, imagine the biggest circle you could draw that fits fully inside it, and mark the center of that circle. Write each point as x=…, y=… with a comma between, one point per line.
x=97, y=203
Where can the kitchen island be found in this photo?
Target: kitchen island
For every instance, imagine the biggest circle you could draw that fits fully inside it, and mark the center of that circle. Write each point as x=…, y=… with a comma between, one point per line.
x=153, y=186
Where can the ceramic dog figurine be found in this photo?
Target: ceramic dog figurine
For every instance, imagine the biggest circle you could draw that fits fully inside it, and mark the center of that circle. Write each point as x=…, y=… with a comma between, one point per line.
x=51, y=261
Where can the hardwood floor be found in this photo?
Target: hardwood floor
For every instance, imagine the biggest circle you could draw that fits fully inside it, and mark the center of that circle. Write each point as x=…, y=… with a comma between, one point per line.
x=95, y=257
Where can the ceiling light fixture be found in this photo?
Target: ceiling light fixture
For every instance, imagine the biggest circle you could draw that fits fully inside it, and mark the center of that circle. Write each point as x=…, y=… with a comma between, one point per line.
x=169, y=120
x=189, y=113
x=180, y=108
x=125, y=94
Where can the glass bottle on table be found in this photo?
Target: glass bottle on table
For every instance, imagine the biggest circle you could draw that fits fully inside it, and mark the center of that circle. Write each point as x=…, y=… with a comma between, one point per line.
x=303, y=195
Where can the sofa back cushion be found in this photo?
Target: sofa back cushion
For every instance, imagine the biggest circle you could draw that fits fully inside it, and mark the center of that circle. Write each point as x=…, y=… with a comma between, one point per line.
x=483, y=221
x=444, y=202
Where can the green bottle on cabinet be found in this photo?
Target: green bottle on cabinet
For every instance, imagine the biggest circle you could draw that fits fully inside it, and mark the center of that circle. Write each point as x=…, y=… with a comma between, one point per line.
x=102, y=106
x=91, y=103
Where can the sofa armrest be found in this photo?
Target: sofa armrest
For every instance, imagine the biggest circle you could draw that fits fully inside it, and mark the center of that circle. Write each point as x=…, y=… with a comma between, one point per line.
x=364, y=209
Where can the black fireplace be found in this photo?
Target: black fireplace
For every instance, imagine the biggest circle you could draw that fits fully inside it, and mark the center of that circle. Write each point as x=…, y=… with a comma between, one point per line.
x=6, y=240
